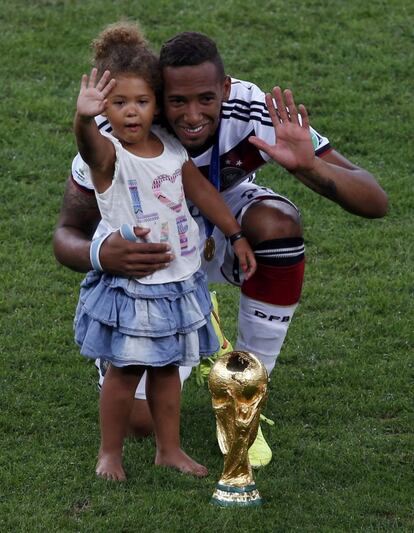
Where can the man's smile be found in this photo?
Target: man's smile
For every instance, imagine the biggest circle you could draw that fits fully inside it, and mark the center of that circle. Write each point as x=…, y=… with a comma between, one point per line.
x=193, y=130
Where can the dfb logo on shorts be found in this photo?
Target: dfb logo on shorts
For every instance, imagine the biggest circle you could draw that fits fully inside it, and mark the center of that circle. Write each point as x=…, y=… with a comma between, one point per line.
x=262, y=315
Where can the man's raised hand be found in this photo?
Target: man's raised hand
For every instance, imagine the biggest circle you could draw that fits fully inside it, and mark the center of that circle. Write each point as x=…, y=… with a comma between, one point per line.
x=293, y=148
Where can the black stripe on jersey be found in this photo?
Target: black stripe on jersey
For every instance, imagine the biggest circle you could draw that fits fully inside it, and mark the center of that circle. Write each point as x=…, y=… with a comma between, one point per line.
x=104, y=124
x=243, y=107
x=246, y=119
x=246, y=112
x=246, y=104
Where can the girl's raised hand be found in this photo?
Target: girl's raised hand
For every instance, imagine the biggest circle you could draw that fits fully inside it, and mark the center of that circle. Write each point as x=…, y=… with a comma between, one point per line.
x=92, y=95
x=246, y=257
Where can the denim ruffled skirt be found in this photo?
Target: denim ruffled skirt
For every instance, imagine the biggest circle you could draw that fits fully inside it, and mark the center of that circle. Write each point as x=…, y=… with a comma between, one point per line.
x=130, y=323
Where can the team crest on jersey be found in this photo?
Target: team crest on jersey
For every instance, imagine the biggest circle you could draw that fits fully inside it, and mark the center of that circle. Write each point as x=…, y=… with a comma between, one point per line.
x=238, y=163
x=230, y=176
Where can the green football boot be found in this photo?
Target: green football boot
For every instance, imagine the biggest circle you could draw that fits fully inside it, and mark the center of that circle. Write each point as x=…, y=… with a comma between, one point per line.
x=259, y=452
x=203, y=369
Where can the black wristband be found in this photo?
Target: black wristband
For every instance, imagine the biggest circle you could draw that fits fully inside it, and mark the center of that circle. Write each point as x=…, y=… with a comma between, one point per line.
x=235, y=237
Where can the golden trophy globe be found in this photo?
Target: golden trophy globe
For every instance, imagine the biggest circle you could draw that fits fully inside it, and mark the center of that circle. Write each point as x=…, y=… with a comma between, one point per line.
x=238, y=386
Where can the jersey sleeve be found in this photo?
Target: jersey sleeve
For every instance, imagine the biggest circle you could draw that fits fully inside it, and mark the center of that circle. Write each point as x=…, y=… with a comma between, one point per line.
x=81, y=175
x=80, y=170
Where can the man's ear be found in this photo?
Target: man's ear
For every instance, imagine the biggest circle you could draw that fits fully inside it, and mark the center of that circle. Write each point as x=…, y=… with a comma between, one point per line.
x=226, y=88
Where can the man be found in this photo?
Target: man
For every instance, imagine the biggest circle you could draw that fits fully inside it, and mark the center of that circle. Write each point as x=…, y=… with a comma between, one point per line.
x=230, y=129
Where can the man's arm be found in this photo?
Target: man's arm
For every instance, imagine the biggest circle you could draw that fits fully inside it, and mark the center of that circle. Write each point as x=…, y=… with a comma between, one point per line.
x=78, y=219
x=332, y=176
x=352, y=187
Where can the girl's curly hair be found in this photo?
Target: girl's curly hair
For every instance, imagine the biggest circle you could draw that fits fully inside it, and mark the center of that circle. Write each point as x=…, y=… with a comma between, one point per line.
x=121, y=48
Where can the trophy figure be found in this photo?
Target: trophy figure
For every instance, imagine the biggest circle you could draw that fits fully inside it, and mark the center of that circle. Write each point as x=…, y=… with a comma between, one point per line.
x=238, y=385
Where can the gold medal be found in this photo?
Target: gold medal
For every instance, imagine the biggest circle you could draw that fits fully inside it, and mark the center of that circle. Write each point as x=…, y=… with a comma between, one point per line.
x=209, y=248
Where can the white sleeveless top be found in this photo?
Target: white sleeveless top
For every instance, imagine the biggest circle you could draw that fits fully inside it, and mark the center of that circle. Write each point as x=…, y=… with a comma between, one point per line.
x=148, y=192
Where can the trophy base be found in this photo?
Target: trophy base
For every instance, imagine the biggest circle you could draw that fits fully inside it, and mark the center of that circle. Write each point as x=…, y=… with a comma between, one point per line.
x=228, y=496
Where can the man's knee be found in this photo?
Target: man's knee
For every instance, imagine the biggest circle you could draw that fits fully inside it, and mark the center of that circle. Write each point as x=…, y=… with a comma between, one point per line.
x=275, y=233
x=269, y=220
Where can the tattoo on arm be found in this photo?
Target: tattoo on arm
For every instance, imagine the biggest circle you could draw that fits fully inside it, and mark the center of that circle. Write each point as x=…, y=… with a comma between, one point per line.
x=328, y=189
x=79, y=209
x=324, y=186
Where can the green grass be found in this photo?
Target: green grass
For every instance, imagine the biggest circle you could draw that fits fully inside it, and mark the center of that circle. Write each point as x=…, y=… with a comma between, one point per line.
x=341, y=396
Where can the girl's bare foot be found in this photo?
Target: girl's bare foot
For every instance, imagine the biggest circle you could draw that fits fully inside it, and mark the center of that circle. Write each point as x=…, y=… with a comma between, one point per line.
x=109, y=466
x=181, y=461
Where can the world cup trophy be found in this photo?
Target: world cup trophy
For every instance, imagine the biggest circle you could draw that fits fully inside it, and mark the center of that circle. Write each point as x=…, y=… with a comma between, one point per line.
x=238, y=385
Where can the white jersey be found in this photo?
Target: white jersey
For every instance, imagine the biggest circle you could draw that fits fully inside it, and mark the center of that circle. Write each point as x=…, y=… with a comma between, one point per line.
x=148, y=192
x=244, y=114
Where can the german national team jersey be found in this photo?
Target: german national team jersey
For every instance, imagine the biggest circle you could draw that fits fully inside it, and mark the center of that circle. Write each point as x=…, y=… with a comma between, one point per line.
x=243, y=115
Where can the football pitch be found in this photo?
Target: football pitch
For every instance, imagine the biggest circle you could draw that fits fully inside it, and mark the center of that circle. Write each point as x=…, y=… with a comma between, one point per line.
x=341, y=395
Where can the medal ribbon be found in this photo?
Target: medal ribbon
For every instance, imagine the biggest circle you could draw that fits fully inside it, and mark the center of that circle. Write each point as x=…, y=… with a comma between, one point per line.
x=213, y=177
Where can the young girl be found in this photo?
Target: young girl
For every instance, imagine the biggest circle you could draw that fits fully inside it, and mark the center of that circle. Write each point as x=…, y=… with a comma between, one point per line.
x=140, y=174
